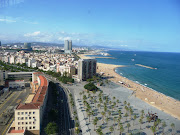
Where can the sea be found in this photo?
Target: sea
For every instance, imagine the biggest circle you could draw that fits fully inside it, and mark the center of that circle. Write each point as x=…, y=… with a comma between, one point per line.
x=164, y=77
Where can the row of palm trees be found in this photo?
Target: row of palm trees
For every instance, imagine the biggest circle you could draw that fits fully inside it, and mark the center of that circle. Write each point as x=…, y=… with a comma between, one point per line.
x=108, y=109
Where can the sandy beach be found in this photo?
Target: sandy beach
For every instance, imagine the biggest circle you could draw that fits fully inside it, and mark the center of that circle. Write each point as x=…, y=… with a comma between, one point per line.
x=152, y=97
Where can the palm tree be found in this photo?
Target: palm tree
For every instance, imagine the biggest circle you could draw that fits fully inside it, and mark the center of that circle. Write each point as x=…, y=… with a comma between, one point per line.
x=172, y=126
x=99, y=130
x=126, y=108
x=103, y=113
x=89, y=114
x=95, y=102
x=125, y=102
x=114, y=120
x=131, y=112
x=153, y=129
x=94, y=92
x=111, y=129
x=80, y=93
x=84, y=97
x=95, y=123
x=164, y=125
x=128, y=104
x=107, y=119
x=158, y=121
x=148, y=120
x=126, y=115
x=142, y=112
x=128, y=125
x=140, y=121
x=110, y=102
x=134, y=119
x=121, y=129
x=114, y=98
x=99, y=106
x=109, y=113
x=119, y=112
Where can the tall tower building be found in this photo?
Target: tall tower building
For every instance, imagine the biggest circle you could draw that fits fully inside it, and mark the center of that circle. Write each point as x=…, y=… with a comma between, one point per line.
x=86, y=68
x=68, y=46
x=0, y=43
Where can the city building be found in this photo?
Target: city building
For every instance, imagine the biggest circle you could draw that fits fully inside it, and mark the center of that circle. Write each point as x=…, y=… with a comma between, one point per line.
x=20, y=75
x=29, y=115
x=68, y=46
x=86, y=68
x=0, y=43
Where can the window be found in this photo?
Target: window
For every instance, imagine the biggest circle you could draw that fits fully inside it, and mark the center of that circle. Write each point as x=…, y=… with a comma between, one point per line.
x=29, y=127
x=33, y=117
x=29, y=117
x=26, y=118
x=34, y=123
x=22, y=118
x=18, y=128
x=26, y=123
x=34, y=127
x=33, y=112
x=22, y=123
x=26, y=113
x=18, y=113
x=29, y=122
x=18, y=123
x=18, y=118
x=22, y=113
x=29, y=112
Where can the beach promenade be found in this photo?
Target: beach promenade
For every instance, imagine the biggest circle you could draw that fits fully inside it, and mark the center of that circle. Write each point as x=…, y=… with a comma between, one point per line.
x=152, y=97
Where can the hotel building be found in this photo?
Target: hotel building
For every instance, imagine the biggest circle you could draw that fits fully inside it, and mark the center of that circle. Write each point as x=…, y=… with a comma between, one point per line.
x=86, y=69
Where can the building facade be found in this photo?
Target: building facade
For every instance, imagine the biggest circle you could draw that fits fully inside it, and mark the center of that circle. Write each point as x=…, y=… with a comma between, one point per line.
x=68, y=46
x=86, y=69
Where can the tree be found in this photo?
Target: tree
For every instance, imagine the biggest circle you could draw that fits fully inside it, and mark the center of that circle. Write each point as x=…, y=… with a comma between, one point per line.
x=51, y=128
x=80, y=93
x=134, y=119
x=99, y=130
x=153, y=129
x=77, y=131
x=103, y=114
x=128, y=125
x=111, y=129
x=90, y=87
x=121, y=129
x=140, y=121
x=126, y=115
x=99, y=106
x=125, y=102
x=76, y=124
x=164, y=125
x=172, y=126
x=95, y=123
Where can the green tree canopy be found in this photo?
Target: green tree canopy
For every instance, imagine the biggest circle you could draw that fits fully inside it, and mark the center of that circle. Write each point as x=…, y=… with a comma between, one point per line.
x=51, y=128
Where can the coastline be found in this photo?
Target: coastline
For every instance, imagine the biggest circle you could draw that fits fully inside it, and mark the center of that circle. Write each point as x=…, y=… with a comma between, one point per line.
x=148, y=95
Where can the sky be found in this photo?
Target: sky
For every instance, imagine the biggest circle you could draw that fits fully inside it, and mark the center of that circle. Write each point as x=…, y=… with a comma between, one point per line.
x=149, y=25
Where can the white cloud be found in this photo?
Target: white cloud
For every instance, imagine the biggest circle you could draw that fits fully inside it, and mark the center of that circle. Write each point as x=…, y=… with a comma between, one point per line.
x=36, y=33
x=7, y=20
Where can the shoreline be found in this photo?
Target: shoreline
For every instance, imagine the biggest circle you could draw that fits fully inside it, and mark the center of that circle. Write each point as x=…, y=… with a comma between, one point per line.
x=154, y=98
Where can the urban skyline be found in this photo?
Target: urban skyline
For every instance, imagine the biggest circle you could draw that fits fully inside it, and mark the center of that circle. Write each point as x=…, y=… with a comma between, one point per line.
x=136, y=25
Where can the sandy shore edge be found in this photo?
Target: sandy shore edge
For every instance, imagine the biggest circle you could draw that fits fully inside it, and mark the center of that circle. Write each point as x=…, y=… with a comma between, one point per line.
x=152, y=97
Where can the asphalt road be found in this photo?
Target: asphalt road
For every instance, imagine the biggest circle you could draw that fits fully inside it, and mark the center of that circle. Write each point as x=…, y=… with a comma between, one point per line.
x=65, y=122
x=11, y=101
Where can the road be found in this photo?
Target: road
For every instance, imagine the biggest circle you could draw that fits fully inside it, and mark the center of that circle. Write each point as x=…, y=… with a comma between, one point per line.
x=11, y=101
x=65, y=122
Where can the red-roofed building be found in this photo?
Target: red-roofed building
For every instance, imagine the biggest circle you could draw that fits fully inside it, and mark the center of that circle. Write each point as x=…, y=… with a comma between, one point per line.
x=29, y=116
